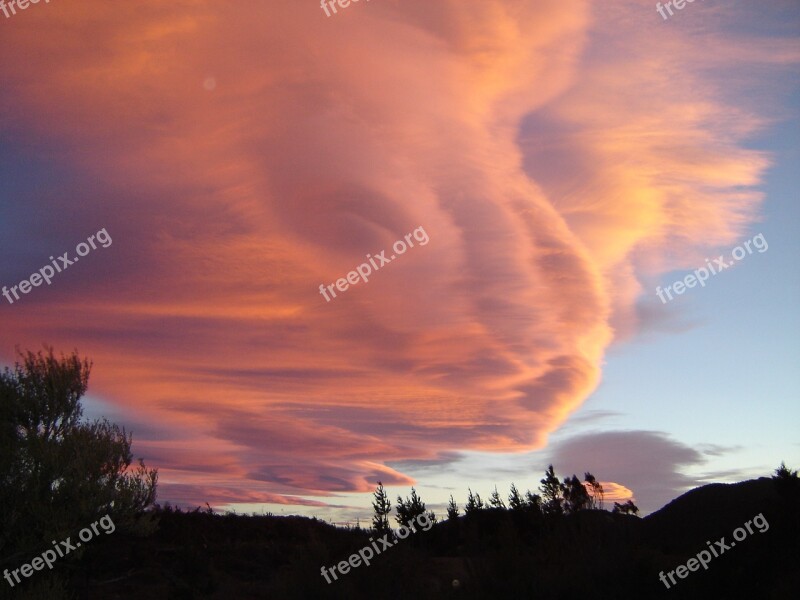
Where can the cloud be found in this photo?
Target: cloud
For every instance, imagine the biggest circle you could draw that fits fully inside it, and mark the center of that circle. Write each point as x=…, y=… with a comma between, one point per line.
x=549, y=178
x=186, y=495
x=649, y=464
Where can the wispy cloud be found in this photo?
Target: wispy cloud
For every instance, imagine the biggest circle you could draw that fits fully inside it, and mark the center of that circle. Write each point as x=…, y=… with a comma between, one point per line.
x=550, y=176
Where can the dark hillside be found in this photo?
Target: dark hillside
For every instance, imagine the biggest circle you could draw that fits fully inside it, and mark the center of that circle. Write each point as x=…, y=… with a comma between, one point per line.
x=491, y=552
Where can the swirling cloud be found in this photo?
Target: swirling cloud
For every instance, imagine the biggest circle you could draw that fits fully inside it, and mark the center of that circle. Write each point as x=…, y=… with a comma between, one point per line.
x=548, y=180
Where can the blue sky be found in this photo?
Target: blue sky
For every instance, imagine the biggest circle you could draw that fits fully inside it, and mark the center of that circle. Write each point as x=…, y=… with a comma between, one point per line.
x=565, y=158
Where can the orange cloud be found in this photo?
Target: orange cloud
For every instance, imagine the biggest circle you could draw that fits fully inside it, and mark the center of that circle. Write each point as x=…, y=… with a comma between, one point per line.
x=616, y=492
x=321, y=142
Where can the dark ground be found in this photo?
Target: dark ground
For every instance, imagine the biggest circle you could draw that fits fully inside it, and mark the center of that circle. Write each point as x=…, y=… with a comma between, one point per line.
x=492, y=553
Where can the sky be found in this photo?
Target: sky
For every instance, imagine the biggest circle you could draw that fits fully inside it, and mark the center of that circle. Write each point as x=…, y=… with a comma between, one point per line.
x=529, y=173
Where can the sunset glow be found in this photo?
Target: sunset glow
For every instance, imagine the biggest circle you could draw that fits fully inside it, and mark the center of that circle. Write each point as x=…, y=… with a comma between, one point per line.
x=564, y=158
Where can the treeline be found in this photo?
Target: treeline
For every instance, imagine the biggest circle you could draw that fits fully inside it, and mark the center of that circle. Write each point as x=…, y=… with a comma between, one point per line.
x=556, y=498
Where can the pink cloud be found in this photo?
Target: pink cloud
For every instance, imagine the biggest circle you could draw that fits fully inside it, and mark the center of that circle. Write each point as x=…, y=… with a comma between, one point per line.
x=322, y=142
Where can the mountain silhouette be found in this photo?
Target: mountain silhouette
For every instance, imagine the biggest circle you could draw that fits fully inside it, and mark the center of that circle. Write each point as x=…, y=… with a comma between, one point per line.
x=486, y=554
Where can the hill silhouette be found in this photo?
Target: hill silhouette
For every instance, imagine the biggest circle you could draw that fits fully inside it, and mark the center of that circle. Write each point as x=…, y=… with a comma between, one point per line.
x=489, y=553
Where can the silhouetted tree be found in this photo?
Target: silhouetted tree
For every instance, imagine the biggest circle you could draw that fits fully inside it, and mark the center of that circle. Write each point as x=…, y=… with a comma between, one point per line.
x=474, y=503
x=598, y=495
x=533, y=502
x=495, y=501
x=381, y=506
x=629, y=508
x=576, y=497
x=515, y=501
x=410, y=508
x=452, y=509
x=785, y=480
x=58, y=473
x=552, y=493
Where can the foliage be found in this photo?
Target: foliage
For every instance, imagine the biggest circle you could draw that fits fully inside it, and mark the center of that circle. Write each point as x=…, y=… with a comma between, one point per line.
x=786, y=481
x=629, y=508
x=552, y=493
x=576, y=498
x=515, y=500
x=784, y=473
x=409, y=509
x=382, y=506
x=533, y=502
x=495, y=501
x=597, y=495
x=452, y=509
x=474, y=503
x=59, y=473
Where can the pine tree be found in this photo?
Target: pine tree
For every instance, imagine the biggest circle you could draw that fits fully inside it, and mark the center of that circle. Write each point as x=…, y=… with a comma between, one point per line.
x=785, y=480
x=382, y=507
x=533, y=502
x=474, y=503
x=552, y=493
x=495, y=501
x=784, y=473
x=408, y=510
x=515, y=501
x=452, y=509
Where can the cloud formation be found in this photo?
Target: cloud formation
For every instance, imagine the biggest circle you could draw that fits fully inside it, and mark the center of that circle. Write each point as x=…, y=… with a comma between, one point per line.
x=645, y=465
x=549, y=180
